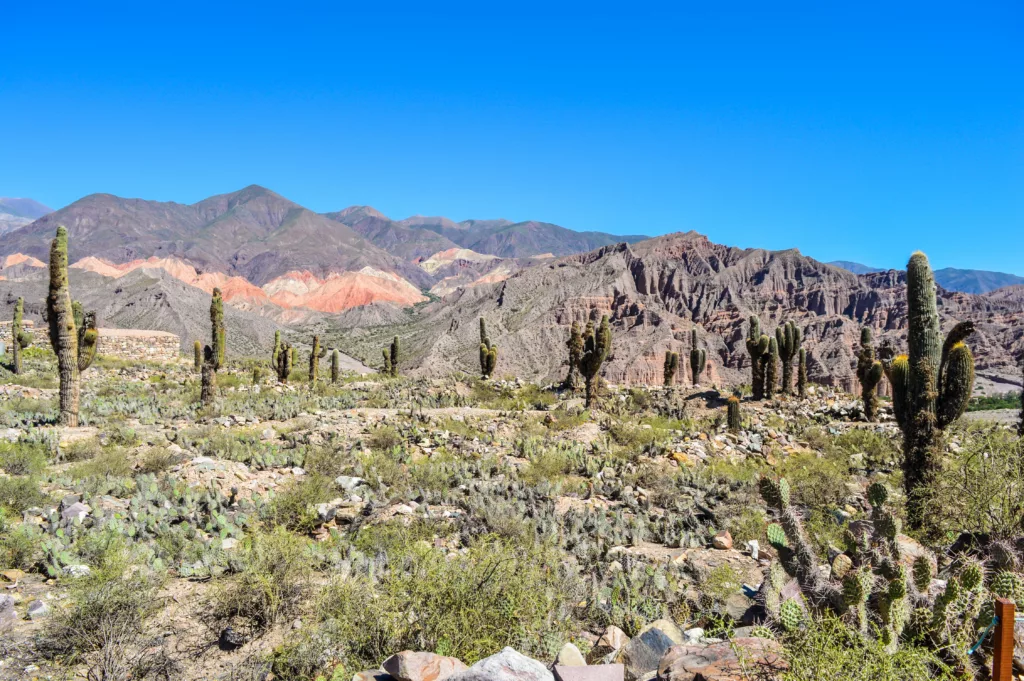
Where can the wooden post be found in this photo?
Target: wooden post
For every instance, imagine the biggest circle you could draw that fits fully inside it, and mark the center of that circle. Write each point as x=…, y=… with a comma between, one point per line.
x=1002, y=657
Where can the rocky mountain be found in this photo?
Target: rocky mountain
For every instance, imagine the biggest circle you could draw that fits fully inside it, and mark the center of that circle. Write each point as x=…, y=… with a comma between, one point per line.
x=405, y=241
x=657, y=290
x=15, y=213
x=951, y=278
x=253, y=233
x=145, y=298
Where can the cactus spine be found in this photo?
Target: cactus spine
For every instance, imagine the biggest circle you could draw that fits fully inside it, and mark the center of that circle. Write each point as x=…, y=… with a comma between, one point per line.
x=771, y=374
x=314, y=360
x=20, y=339
x=575, y=347
x=732, y=411
x=757, y=348
x=671, y=366
x=488, y=352
x=197, y=356
x=75, y=347
x=788, y=338
x=698, y=358
x=335, y=366
x=931, y=384
x=801, y=375
x=869, y=373
x=213, y=354
x=596, y=344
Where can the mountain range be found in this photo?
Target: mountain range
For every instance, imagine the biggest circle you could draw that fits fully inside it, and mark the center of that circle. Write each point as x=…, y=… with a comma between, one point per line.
x=15, y=213
x=362, y=277
x=951, y=278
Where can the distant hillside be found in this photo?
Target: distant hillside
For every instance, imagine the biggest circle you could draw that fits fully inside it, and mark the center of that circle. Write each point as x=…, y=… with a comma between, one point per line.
x=15, y=213
x=950, y=278
x=855, y=267
x=253, y=233
x=974, y=281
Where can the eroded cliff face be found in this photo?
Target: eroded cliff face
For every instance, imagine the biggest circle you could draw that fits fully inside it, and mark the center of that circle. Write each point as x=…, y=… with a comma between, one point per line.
x=656, y=291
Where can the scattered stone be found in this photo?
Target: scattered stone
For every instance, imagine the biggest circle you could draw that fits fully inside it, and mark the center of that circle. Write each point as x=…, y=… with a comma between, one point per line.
x=735, y=660
x=693, y=635
x=76, y=571
x=722, y=541
x=7, y=614
x=508, y=665
x=611, y=641
x=12, y=575
x=230, y=639
x=373, y=675
x=38, y=609
x=570, y=656
x=642, y=654
x=75, y=512
x=420, y=666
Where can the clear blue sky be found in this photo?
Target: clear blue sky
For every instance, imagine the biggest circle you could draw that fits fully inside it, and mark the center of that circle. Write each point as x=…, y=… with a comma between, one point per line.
x=854, y=130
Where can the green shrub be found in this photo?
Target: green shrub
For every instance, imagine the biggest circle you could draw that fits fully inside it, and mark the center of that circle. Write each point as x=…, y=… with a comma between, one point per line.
x=22, y=458
x=20, y=493
x=271, y=584
x=294, y=508
x=466, y=605
x=828, y=649
x=19, y=545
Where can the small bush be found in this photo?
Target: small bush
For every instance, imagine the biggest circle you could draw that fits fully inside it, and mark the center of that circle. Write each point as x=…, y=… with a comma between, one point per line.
x=19, y=493
x=22, y=458
x=294, y=508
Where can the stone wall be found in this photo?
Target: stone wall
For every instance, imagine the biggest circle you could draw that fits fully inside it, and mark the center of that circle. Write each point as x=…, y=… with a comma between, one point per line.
x=157, y=346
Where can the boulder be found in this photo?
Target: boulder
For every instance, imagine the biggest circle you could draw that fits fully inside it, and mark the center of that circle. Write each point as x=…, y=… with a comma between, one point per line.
x=570, y=656
x=597, y=672
x=722, y=541
x=7, y=614
x=417, y=666
x=508, y=665
x=610, y=642
x=642, y=654
x=372, y=675
x=735, y=660
x=37, y=609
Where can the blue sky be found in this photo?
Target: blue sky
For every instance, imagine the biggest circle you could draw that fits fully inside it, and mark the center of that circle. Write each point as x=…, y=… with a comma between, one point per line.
x=858, y=131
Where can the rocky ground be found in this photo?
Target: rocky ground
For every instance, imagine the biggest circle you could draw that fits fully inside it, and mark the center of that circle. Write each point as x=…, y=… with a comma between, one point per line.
x=490, y=530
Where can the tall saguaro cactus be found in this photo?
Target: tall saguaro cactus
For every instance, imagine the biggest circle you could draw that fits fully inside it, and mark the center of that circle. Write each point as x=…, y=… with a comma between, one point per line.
x=315, y=354
x=869, y=373
x=771, y=374
x=698, y=358
x=197, y=356
x=391, y=358
x=931, y=384
x=788, y=338
x=671, y=366
x=283, y=358
x=20, y=339
x=757, y=348
x=75, y=348
x=213, y=354
x=596, y=344
x=488, y=352
x=1020, y=426
x=575, y=347
x=801, y=375
x=335, y=365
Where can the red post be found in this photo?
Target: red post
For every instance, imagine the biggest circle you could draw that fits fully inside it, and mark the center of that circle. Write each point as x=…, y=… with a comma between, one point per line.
x=1002, y=658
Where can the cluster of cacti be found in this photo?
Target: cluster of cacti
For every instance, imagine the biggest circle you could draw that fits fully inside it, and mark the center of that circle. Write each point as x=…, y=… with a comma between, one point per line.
x=315, y=354
x=213, y=354
x=757, y=347
x=390, y=367
x=931, y=385
x=801, y=375
x=732, y=407
x=73, y=332
x=671, y=366
x=698, y=358
x=282, y=359
x=488, y=352
x=575, y=348
x=20, y=339
x=869, y=373
x=597, y=344
x=868, y=581
x=788, y=338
